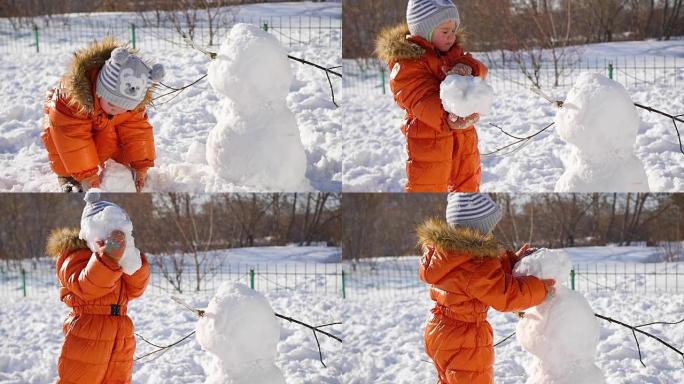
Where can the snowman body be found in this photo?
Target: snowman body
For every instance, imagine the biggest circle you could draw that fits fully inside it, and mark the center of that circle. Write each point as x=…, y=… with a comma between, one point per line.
x=562, y=333
x=256, y=140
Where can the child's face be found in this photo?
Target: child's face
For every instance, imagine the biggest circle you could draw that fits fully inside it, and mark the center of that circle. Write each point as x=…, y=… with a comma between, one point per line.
x=110, y=108
x=444, y=36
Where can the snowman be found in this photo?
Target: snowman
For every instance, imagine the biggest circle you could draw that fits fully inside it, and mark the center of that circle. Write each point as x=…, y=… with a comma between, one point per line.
x=255, y=141
x=600, y=121
x=562, y=333
x=240, y=330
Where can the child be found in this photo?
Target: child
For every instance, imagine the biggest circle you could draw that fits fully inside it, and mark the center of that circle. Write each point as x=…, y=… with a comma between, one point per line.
x=98, y=113
x=98, y=335
x=468, y=274
x=442, y=148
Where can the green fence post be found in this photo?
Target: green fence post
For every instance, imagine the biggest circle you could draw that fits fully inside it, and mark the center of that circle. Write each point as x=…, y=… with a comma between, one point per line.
x=382, y=79
x=344, y=285
x=610, y=71
x=251, y=278
x=572, y=279
x=35, y=34
x=133, y=35
x=265, y=26
x=23, y=281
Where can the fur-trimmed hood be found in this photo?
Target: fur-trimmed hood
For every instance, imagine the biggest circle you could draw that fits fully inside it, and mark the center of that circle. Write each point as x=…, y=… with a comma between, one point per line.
x=78, y=83
x=64, y=240
x=444, y=237
x=393, y=44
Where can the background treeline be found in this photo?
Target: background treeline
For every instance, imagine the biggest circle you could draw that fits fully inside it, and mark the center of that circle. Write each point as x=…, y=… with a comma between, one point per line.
x=515, y=25
x=30, y=8
x=384, y=224
x=177, y=222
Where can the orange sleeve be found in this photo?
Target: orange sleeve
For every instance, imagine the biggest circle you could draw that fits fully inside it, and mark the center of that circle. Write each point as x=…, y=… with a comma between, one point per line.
x=71, y=133
x=434, y=265
x=137, y=282
x=137, y=136
x=492, y=285
x=416, y=90
x=88, y=278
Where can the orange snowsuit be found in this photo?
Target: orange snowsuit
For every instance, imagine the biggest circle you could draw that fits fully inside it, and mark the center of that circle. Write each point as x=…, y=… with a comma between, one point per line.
x=98, y=335
x=79, y=135
x=468, y=274
x=439, y=159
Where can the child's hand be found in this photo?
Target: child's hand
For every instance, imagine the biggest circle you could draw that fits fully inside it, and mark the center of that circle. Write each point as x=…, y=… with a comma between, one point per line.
x=91, y=181
x=550, y=285
x=461, y=69
x=140, y=178
x=456, y=122
x=113, y=247
x=525, y=250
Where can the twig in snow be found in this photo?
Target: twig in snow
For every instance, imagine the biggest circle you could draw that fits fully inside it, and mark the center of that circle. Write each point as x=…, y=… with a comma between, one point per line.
x=162, y=349
x=525, y=140
x=504, y=339
x=636, y=329
x=674, y=118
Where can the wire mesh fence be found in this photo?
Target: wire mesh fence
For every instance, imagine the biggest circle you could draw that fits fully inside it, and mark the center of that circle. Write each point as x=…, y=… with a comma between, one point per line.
x=399, y=277
x=317, y=31
x=315, y=279
x=372, y=76
x=382, y=278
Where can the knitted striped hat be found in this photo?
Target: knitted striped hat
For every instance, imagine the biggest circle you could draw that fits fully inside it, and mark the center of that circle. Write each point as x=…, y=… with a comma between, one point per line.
x=94, y=205
x=125, y=78
x=423, y=16
x=472, y=210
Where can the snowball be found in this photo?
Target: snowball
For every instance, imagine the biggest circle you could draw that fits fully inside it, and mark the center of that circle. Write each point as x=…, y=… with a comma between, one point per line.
x=101, y=225
x=256, y=140
x=117, y=177
x=600, y=121
x=465, y=95
x=240, y=329
x=545, y=264
x=562, y=332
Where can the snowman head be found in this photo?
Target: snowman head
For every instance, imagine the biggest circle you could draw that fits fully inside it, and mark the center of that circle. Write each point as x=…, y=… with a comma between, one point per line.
x=598, y=117
x=251, y=67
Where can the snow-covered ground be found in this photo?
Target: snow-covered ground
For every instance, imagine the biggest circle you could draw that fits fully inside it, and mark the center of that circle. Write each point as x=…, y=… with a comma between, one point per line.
x=28, y=354
x=31, y=332
x=182, y=124
x=387, y=313
x=375, y=151
x=384, y=340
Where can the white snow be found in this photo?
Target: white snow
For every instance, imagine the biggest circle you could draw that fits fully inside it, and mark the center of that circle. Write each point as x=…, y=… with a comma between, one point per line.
x=116, y=178
x=375, y=149
x=600, y=121
x=562, y=332
x=240, y=329
x=182, y=125
x=465, y=95
x=256, y=139
x=99, y=226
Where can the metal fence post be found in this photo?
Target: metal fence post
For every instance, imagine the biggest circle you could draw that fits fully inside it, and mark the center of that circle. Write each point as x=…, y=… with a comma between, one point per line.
x=265, y=26
x=251, y=278
x=35, y=34
x=572, y=279
x=23, y=281
x=610, y=70
x=382, y=79
x=344, y=285
x=133, y=35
